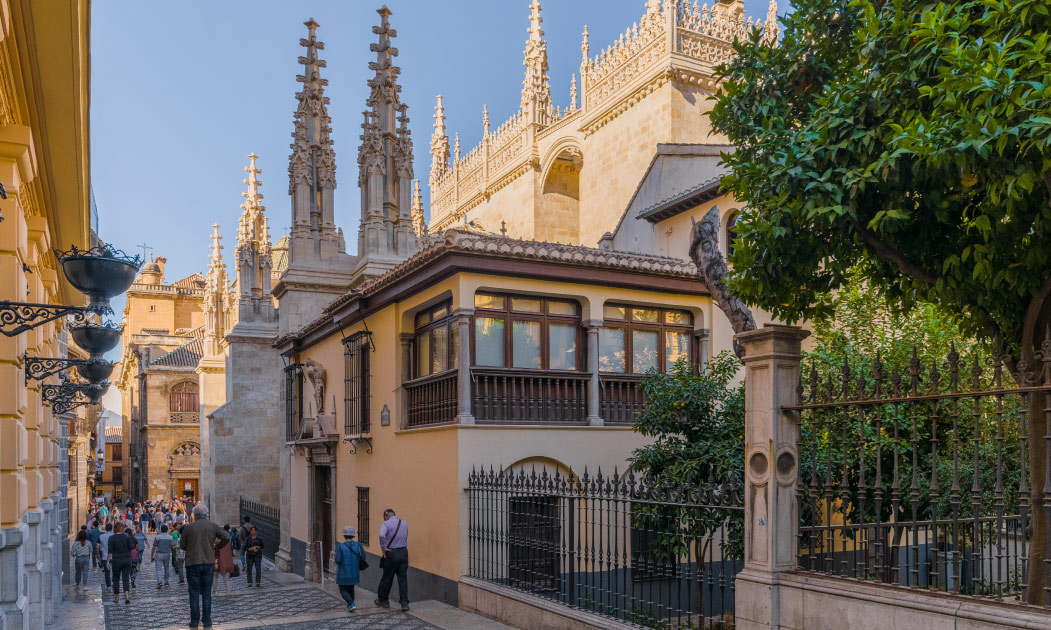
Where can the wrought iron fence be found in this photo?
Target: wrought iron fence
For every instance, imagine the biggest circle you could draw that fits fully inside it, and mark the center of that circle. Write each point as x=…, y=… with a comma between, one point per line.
x=267, y=522
x=645, y=551
x=917, y=476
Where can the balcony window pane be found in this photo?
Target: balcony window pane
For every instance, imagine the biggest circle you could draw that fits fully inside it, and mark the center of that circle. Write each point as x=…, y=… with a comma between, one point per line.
x=643, y=350
x=611, y=350
x=525, y=305
x=423, y=354
x=455, y=341
x=676, y=346
x=422, y=319
x=495, y=302
x=440, y=343
x=440, y=312
x=614, y=312
x=562, y=346
x=679, y=318
x=648, y=315
x=525, y=344
x=489, y=341
x=560, y=307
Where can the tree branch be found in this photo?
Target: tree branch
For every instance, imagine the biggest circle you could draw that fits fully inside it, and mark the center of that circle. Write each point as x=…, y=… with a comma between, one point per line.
x=882, y=249
x=704, y=250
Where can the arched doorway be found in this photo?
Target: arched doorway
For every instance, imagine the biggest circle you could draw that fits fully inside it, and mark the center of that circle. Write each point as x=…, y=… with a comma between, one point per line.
x=558, y=214
x=184, y=470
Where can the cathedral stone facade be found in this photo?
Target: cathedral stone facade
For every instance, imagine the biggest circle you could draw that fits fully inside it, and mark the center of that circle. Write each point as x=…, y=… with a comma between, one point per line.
x=321, y=371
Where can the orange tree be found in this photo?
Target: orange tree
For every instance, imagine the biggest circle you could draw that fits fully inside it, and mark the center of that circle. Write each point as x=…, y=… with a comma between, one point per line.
x=910, y=141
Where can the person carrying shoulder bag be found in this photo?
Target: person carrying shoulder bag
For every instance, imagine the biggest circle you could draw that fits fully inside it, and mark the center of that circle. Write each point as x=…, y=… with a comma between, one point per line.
x=394, y=543
x=350, y=558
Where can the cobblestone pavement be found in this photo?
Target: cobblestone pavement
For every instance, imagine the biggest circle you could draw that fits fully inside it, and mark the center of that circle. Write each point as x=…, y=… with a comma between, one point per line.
x=284, y=602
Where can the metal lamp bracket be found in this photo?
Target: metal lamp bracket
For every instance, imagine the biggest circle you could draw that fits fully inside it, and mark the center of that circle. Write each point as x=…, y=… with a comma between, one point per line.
x=18, y=317
x=356, y=442
x=39, y=368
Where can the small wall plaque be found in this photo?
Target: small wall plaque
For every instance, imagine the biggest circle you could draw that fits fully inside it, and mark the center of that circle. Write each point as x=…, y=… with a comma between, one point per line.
x=385, y=417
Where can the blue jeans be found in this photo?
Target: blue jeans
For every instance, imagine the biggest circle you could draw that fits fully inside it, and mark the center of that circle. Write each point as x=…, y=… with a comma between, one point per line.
x=199, y=581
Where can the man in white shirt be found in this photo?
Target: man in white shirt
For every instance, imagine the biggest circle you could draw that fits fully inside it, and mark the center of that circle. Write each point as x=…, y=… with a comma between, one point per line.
x=394, y=543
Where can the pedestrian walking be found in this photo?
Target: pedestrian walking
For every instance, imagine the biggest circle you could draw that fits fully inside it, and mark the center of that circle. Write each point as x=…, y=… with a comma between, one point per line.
x=140, y=553
x=199, y=539
x=394, y=543
x=120, y=547
x=253, y=546
x=178, y=555
x=242, y=534
x=162, y=546
x=104, y=552
x=81, y=553
x=224, y=564
x=94, y=534
x=350, y=556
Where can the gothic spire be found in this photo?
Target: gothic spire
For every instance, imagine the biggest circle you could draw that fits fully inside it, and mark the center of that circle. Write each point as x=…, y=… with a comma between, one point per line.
x=312, y=164
x=215, y=297
x=253, y=238
x=385, y=233
x=536, y=91
x=418, y=224
x=485, y=120
x=439, y=144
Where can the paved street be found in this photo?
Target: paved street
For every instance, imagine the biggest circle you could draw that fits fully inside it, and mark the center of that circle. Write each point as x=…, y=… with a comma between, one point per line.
x=283, y=602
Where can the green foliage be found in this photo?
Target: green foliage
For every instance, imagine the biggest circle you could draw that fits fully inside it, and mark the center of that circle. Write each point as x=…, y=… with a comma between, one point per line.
x=903, y=139
x=697, y=422
x=861, y=328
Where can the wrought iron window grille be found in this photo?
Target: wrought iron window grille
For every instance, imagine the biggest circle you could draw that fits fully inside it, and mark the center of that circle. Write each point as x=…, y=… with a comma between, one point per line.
x=357, y=391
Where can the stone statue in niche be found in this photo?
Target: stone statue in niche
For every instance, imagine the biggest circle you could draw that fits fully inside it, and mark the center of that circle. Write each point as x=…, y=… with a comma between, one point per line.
x=317, y=375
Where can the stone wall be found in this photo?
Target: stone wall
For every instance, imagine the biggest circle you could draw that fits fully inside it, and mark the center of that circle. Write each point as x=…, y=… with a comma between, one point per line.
x=245, y=433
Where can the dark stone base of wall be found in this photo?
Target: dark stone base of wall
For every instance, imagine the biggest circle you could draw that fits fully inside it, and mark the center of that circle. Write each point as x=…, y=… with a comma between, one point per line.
x=422, y=584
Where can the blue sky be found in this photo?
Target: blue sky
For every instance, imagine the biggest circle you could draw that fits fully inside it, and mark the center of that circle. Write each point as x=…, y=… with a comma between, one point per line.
x=183, y=92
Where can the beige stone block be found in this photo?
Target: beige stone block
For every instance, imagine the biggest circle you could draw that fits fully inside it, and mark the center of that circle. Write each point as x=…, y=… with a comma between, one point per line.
x=12, y=443
x=13, y=398
x=13, y=491
x=752, y=600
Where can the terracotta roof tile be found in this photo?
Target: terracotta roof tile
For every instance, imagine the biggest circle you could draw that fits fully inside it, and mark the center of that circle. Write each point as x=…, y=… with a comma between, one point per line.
x=186, y=355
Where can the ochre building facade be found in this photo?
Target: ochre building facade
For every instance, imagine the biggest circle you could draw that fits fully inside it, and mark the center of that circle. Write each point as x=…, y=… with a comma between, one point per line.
x=45, y=169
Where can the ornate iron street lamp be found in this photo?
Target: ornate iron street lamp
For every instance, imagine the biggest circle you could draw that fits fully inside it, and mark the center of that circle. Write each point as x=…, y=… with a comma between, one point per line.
x=101, y=273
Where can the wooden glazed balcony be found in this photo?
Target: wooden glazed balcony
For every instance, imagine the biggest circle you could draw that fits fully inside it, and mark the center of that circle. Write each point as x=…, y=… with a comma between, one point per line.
x=620, y=398
x=508, y=396
x=432, y=399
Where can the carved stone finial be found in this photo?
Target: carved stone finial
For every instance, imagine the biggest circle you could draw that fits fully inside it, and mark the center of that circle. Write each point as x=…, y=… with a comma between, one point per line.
x=573, y=93
x=457, y=145
x=439, y=144
x=418, y=224
x=584, y=47
x=536, y=91
x=485, y=120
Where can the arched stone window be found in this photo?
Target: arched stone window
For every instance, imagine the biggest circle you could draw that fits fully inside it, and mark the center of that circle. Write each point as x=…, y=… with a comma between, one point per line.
x=183, y=397
x=731, y=232
x=183, y=403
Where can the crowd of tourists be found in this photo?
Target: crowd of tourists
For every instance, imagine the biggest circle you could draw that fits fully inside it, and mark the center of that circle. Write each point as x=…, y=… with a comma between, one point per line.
x=202, y=553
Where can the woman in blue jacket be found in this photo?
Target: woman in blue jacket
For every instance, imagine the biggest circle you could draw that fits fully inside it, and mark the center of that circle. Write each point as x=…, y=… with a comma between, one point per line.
x=350, y=556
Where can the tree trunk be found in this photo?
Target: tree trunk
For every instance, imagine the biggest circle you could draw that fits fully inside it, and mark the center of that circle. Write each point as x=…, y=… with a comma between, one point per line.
x=1036, y=337
x=711, y=266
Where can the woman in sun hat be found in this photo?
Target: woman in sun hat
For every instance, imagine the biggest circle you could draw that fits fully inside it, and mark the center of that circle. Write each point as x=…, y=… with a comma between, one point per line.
x=350, y=558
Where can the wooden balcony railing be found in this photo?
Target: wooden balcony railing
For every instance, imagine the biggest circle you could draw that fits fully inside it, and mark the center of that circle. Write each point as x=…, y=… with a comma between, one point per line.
x=432, y=399
x=620, y=398
x=503, y=396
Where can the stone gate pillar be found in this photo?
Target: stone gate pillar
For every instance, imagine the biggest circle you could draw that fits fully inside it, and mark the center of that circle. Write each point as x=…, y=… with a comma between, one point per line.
x=771, y=359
